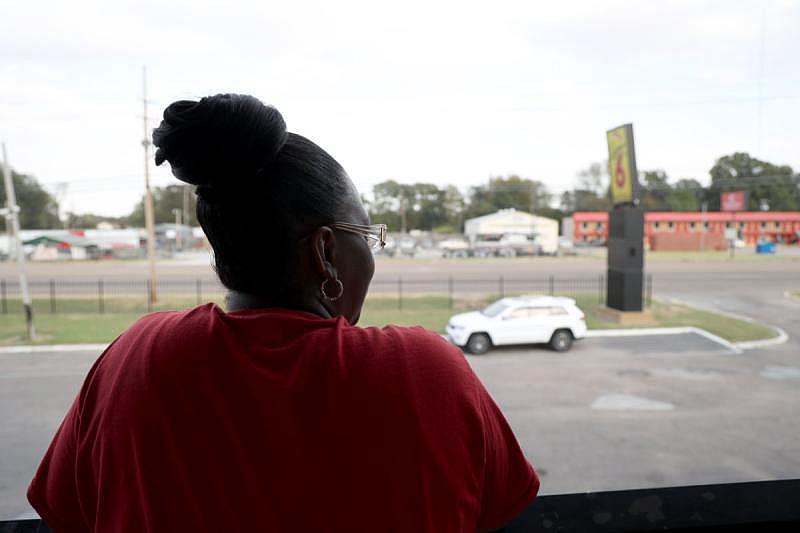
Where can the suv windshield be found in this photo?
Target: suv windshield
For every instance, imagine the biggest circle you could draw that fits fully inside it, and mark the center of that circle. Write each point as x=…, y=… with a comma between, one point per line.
x=495, y=309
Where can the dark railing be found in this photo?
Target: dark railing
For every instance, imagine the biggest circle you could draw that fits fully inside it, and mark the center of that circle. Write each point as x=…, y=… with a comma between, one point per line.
x=752, y=506
x=755, y=506
x=119, y=295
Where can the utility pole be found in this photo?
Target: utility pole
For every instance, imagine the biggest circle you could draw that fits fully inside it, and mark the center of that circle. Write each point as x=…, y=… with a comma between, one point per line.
x=149, y=219
x=532, y=199
x=178, y=229
x=403, y=227
x=186, y=205
x=61, y=195
x=533, y=215
x=12, y=226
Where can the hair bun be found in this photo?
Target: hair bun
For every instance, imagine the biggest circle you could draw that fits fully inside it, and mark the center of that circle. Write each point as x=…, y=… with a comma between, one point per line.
x=222, y=141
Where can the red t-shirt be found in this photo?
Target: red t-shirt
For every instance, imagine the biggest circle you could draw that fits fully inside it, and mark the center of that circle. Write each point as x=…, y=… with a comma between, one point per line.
x=278, y=420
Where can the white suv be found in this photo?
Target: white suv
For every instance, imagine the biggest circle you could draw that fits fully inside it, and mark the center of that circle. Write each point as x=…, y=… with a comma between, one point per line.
x=520, y=320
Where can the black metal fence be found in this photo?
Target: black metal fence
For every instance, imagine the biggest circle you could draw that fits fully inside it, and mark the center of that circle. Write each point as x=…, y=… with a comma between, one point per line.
x=106, y=295
x=120, y=295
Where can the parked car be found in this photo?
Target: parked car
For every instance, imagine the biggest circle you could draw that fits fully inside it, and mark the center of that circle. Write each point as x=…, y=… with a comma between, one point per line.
x=519, y=320
x=566, y=246
x=454, y=248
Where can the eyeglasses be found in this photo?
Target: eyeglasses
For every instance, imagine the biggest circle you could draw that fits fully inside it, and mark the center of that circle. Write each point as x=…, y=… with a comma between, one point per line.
x=375, y=234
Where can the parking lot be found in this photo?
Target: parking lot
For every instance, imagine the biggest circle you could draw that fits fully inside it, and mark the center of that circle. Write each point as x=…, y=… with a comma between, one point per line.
x=612, y=413
x=634, y=412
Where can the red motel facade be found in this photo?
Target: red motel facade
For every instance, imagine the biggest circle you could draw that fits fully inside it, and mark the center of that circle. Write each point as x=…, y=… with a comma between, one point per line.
x=780, y=227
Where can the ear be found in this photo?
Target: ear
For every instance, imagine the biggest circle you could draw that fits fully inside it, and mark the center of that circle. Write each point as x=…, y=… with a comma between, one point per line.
x=323, y=250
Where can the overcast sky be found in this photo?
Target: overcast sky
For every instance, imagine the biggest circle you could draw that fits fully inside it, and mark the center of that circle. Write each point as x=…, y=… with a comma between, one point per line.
x=412, y=91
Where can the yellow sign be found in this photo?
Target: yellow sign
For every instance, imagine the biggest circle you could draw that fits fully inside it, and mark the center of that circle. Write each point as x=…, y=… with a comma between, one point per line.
x=622, y=164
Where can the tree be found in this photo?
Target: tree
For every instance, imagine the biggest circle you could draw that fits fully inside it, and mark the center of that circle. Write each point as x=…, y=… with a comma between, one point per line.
x=775, y=184
x=165, y=201
x=421, y=206
x=38, y=209
x=89, y=220
x=594, y=179
x=654, y=190
x=658, y=194
x=454, y=206
x=511, y=192
x=686, y=195
x=592, y=192
x=583, y=200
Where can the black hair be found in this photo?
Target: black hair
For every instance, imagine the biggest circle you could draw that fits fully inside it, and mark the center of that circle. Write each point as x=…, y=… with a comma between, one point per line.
x=259, y=187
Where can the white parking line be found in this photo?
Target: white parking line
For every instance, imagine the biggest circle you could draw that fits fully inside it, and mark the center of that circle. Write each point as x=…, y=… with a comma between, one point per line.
x=779, y=339
x=627, y=402
x=44, y=348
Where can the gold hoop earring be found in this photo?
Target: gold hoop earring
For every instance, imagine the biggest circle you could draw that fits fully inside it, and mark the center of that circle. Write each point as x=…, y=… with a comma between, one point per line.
x=325, y=294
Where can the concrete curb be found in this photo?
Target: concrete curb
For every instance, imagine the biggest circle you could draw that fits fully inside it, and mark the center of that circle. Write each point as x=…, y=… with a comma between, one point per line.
x=779, y=339
x=44, y=348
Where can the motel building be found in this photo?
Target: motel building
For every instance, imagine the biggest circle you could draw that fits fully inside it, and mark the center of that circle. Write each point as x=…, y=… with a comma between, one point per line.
x=695, y=231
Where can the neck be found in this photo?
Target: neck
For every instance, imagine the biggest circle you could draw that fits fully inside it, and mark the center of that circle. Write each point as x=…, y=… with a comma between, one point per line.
x=238, y=301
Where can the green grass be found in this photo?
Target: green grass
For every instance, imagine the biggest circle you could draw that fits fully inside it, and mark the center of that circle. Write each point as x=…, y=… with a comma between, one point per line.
x=67, y=328
x=711, y=256
x=77, y=322
x=732, y=329
x=707, y=256
x=432, y=312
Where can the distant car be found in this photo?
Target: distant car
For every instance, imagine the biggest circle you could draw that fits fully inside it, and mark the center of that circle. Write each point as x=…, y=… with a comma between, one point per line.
x=566, y=246
x=519, y=320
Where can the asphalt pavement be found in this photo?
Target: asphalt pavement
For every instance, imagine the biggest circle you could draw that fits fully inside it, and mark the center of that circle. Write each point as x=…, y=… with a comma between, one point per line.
x=36, y=389
x=636, y=412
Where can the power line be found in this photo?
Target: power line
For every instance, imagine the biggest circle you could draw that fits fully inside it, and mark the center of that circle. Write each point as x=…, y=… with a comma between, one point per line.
x=94, y=179
x=740, y=180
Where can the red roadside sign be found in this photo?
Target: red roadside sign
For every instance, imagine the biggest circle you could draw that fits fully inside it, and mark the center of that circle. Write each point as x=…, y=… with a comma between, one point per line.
x=733, y=201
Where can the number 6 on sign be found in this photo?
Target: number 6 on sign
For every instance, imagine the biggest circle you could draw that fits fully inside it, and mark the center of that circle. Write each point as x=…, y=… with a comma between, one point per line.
x=622, y=165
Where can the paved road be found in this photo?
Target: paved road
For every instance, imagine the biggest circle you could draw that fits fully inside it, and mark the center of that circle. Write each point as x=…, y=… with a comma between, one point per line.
x=611, y=414
x=471, y=276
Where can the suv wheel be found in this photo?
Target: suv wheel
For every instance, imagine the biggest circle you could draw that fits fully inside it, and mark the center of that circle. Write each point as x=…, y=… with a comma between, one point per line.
x=561, y=341
x=478, y=343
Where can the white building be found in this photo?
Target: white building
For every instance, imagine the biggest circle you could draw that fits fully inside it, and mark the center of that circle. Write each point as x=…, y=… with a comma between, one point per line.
x=509, y=223
x=50, y=244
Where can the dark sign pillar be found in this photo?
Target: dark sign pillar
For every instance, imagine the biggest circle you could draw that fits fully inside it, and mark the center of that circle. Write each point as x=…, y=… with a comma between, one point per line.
x=625, y=225
x=625, y=258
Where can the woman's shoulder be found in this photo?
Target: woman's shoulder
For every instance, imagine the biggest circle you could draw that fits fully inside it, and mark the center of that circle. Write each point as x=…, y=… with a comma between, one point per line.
x=410, y=345
x=405, y=336
x=164, y=331
x=194, y=317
